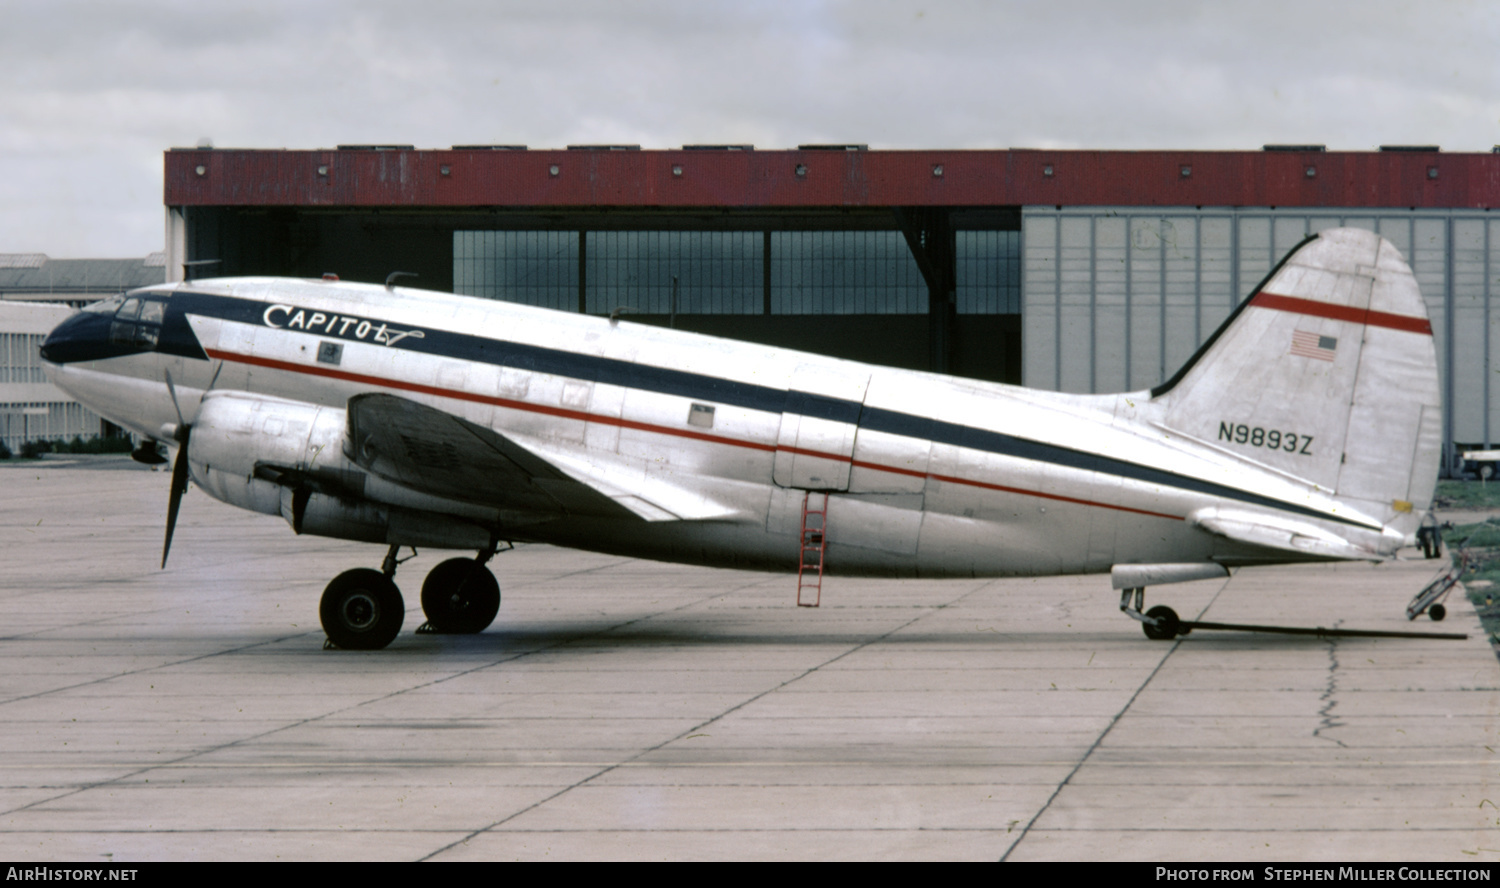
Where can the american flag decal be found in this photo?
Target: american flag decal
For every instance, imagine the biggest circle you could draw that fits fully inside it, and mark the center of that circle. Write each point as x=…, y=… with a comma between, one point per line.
x=1313, y=345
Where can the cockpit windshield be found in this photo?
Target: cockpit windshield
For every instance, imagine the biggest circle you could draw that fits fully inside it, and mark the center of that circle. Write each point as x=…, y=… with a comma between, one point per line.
x=105, y=306
x=138, y=320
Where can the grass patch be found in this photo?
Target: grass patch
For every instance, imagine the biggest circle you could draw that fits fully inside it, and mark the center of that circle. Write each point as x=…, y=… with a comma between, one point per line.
x=1467, y=495
x=1481, y=542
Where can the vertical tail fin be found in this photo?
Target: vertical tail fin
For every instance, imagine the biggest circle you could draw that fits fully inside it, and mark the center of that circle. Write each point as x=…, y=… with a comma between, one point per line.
x=1328, y=373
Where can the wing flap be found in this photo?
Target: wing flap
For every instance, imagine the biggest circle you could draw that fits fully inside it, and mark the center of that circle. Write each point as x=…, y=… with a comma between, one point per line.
x=651, y=498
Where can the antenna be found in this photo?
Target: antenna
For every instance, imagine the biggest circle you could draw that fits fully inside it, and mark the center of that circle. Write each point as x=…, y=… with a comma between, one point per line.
x=390, y=279
x=188, y=266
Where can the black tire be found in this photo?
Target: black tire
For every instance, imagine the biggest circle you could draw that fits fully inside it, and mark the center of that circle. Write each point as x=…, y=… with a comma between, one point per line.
x=460, y=597
x=1166, y=626
x=1437, y=612
x=362, y=610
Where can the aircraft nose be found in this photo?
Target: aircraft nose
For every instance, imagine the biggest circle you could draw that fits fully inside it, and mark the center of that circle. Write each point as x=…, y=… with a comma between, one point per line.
x=82, y=337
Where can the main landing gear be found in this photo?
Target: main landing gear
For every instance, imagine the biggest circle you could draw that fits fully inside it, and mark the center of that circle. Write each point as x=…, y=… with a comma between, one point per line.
x=362, y=610
x=460, y=596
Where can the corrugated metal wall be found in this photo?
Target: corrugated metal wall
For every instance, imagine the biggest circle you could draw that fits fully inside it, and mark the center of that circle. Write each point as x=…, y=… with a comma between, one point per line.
x=1116, y=299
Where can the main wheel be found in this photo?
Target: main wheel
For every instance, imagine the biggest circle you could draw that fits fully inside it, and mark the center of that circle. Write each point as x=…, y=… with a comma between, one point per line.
x=1437, y=612
x=1166, y=627
x=460, y=597
x=362, y=610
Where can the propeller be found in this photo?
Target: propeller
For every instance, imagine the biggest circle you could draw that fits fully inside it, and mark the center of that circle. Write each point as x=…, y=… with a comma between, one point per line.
x=181, y=433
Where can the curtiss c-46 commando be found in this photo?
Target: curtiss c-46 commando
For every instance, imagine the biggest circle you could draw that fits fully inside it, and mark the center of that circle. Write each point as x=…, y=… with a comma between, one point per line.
x=1306, y=428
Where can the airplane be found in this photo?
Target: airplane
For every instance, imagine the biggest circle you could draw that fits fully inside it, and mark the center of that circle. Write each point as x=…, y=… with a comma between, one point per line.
x=1306, y=428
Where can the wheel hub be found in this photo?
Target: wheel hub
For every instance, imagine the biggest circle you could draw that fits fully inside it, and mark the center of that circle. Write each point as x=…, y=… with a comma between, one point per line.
x=360, y=611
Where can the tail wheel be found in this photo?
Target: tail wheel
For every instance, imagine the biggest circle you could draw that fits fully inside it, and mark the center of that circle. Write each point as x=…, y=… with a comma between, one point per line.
x=460, y=597
x=1162, y=623
x=362, y=610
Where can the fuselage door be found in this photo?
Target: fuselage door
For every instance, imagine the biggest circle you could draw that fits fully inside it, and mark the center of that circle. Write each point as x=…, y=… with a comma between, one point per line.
x=815, y=447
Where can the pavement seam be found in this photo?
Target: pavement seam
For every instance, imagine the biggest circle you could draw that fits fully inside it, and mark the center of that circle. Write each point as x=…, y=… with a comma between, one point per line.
x=145, y=669
x=310, y=720
x=698, y=727
x=1107, y=728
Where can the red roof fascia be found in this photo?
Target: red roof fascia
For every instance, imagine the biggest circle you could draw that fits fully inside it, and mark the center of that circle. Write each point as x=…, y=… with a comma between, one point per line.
x=590, y=178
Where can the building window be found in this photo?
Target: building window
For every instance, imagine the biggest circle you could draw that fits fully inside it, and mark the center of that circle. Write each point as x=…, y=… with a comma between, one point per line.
x=716, y=272
x=844, y=272
x=530, y=267
x=726, y=272
x=989, y=272
x=45, y=420
x=20, y=358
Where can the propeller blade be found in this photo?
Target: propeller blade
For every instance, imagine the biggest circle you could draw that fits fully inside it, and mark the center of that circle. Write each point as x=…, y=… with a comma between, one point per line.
x=172, y=390
x=179, y=487
x=182, y=433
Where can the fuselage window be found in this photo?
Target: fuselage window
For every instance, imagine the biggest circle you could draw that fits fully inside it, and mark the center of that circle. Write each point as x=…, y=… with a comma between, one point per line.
x=138, y=322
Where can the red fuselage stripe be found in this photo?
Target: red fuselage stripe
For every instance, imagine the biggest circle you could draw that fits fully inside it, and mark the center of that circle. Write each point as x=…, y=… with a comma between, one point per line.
x=1342, y=313
x=582, y=416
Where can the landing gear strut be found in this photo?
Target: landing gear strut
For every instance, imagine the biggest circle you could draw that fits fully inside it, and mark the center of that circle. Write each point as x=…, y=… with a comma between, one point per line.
x=1160, y=623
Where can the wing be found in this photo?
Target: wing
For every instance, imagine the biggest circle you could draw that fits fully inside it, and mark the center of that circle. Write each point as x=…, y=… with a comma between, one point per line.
x=436, y=452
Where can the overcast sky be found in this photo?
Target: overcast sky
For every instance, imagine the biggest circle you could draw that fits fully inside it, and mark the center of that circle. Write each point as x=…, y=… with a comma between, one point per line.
x=92, y=93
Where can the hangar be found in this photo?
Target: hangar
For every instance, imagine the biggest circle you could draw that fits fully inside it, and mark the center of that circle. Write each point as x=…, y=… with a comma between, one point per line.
x=1080, y=271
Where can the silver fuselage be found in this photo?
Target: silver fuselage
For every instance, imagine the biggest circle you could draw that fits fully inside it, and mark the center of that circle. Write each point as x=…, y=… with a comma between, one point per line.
x=713, y=444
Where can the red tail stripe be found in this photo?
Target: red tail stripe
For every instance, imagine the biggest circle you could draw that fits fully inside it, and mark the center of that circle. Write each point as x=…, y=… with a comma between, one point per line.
x=1342, y=313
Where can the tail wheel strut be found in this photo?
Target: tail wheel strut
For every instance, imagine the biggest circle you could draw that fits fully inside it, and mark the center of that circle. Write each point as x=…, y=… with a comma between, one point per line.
x=1160, y=623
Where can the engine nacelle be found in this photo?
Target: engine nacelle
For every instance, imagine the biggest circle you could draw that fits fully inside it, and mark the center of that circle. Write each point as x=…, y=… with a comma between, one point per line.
x=234, y=433
x=287, y=458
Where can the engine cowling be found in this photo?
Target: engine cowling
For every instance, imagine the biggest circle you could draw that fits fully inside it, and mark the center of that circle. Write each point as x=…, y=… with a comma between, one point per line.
x=288, y=458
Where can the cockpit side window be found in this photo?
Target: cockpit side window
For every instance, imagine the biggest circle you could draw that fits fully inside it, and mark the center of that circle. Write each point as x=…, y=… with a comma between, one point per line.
x=138, y=322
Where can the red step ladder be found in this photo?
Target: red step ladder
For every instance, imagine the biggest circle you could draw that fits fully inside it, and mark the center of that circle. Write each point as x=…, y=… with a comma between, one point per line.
x=814, y=544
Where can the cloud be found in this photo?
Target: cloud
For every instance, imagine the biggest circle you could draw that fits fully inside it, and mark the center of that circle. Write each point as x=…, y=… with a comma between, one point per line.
x=92, y=93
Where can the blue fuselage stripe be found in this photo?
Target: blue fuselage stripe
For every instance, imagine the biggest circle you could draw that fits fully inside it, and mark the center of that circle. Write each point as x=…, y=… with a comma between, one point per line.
x=703, y=387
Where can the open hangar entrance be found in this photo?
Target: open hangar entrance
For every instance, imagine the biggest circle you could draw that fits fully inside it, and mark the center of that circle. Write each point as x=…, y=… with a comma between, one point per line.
x=1068, y=270
x=914, y=287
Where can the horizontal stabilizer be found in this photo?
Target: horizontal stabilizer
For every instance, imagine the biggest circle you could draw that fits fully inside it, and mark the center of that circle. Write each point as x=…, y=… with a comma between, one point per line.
x=1138, y=576
x=1282, y=533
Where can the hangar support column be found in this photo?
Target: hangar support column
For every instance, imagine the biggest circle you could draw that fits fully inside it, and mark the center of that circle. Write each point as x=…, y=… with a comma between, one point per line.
x=176, y=243
x=930, y=235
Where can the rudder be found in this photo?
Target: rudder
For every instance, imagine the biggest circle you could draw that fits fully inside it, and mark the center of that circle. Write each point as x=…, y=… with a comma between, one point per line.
x=1327, y=372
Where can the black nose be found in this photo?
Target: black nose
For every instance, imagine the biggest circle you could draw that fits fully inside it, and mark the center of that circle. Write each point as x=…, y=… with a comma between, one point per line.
x=82, y=337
